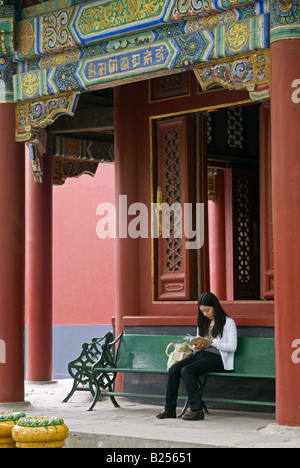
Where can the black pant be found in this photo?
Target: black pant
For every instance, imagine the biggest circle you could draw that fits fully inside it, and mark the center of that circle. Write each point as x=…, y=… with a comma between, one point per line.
x=189, y=369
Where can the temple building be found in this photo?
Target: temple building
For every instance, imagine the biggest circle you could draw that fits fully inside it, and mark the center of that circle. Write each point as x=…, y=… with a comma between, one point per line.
x=197, y=105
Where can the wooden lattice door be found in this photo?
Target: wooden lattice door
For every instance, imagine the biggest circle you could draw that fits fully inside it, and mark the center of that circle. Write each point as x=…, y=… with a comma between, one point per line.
x=246, y=258
x=175, y=172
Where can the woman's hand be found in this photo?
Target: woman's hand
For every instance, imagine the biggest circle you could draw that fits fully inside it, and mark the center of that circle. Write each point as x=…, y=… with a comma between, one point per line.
x=201, y=346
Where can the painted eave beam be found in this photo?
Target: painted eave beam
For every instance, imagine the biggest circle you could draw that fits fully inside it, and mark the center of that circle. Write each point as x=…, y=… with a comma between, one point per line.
x=172, y=54
x=89, y=23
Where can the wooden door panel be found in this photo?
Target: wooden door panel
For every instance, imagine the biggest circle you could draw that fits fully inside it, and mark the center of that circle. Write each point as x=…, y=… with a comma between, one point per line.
x=246, y=258
x=174, y=155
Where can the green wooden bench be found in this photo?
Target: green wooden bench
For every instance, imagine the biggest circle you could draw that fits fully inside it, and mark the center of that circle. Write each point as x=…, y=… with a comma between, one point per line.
x=254, y=358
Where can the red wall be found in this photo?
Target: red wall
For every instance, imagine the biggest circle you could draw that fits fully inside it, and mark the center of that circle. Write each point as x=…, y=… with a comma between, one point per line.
x=83, y=264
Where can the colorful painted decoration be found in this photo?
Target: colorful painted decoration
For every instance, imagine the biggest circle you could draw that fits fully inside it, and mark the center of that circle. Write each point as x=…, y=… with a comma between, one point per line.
x=285, y=20
x=125, y=62
x=56, y=49
x=248, y=71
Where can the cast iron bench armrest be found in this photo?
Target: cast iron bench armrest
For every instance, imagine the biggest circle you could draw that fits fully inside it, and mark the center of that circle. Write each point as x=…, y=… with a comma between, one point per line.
x=80, y=368
x=107, y=358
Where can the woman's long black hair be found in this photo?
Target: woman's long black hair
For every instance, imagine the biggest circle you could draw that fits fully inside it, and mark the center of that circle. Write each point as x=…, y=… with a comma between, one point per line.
x=210, y=300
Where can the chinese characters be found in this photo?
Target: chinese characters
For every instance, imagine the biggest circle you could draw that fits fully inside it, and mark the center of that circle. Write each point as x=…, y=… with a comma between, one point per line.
x=118, y=64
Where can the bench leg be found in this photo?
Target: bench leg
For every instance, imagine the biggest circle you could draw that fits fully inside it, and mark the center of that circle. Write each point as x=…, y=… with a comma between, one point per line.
x=96, y=396
x=184, y=408
x=71, y=392
x=205, y=408
x=95, y=392
x=114, y=401
x=187, y=404
x=112, y=398
x=201, y=386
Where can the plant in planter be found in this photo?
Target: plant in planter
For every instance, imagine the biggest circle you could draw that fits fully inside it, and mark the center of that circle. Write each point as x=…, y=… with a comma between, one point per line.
x=7, y=421
x=40, y=432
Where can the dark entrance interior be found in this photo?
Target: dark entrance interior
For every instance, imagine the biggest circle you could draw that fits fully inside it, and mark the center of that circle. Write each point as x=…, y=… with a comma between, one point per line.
x=233, y=152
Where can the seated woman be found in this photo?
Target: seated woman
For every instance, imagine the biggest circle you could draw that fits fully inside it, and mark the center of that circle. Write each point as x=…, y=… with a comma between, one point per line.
x=213, y=323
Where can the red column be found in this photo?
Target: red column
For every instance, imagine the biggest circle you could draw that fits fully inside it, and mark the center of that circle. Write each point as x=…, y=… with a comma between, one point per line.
x=285, y=129
x=38, y=273
x=12, y=194
x=127, y=295
x=126, y=183
x=216, y=227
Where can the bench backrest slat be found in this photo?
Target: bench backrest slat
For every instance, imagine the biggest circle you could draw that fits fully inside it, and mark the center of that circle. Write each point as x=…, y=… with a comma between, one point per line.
x=254, y=356
x=145, y=351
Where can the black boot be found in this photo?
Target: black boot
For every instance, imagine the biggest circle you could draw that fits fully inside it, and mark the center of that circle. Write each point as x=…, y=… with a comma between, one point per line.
x=196, y=415
x=166, y=414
